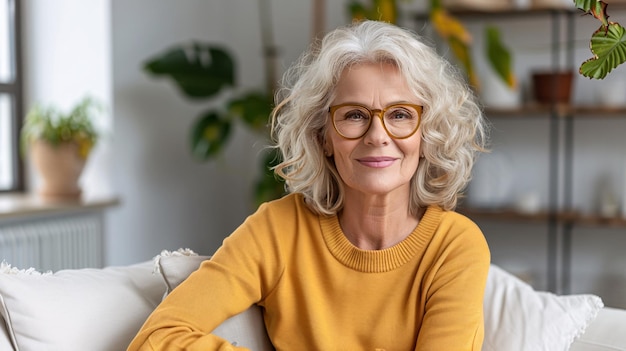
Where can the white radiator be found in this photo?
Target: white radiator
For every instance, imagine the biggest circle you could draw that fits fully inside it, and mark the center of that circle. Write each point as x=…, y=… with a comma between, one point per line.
x=53, y=244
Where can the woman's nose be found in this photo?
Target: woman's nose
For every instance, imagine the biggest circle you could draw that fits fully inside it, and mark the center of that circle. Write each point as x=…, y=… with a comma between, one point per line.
x=377, y=134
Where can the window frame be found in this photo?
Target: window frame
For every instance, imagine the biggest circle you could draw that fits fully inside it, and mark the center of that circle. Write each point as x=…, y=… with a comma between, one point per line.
x=15, y=90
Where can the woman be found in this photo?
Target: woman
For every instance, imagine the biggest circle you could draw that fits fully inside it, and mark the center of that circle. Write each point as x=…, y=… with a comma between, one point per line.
x=378, y=136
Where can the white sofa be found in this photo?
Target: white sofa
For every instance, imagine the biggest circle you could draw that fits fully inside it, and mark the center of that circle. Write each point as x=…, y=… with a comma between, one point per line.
x=102, y=309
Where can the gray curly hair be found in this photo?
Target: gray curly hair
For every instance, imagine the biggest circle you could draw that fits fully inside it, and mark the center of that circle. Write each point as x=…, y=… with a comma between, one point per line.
x=453, y=128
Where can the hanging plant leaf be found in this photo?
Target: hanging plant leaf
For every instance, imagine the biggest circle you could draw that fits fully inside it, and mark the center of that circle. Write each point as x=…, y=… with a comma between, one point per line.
x=596, y=8
x=499, y=56
x=209, y=134
x=199, y=70
x=458, y=37
x=608, y=46
x=254, y=109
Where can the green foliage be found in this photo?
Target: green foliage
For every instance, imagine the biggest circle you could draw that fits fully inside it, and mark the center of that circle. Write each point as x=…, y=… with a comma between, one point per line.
x=607, y=44
x=199, y=70
x=609, y=48
x=203, y=71
x=51, y=125
x=499, y=56
x=209, y=134
x=379, y=10
x=269, y=185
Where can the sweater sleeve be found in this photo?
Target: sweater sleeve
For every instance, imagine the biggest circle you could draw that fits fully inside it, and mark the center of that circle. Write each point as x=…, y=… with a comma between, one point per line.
x=243, y=270
x=453, y=318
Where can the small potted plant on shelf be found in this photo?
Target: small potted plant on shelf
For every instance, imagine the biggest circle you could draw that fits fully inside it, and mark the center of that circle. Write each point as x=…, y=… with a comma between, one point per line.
x=58, y=144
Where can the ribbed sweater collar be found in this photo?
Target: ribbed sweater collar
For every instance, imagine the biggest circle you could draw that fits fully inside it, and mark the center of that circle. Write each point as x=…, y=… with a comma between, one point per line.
x=378, y=261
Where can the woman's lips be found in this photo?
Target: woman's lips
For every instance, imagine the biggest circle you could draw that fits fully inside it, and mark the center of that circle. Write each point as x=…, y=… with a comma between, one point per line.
x=376, y=162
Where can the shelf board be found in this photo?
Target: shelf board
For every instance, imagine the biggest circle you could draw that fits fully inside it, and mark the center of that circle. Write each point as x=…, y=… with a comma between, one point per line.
x=504, y=214
x=559, y=110
x=600, y=221
x=514, y=12
x=571, y=217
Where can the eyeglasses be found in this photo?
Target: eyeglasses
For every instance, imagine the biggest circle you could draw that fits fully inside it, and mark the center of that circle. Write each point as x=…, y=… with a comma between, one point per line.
x=352, y=121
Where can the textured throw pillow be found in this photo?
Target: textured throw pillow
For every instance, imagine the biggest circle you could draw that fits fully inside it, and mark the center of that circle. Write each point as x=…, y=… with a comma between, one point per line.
x=82, y=309
x=246, y=329
x=518, y=318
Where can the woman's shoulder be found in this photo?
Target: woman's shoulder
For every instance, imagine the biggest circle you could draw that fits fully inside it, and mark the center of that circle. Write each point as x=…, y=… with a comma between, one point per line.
x=453, y=217
x=289, y=203
x=454, y=225
x=285, y=209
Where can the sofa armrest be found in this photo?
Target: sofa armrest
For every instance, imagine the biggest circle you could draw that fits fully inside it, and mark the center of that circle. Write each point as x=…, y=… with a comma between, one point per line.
x=5, y=339
x=606, y=333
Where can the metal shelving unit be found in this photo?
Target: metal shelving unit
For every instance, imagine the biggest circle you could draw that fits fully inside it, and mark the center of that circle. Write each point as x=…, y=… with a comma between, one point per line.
x=560, y=217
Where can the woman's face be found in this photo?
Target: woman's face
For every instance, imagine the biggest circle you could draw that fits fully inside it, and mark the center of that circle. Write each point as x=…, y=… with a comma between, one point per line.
x=375, y=163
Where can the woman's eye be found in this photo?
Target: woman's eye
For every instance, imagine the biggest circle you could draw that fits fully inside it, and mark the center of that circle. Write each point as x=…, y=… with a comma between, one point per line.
x=400, y=114
x=356, y=115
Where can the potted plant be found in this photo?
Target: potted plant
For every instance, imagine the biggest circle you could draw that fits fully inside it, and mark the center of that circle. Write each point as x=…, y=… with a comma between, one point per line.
x=203, y=71
x=58, y=144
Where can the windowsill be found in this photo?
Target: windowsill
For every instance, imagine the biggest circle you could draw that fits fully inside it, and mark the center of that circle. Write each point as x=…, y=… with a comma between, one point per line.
x=16, y=206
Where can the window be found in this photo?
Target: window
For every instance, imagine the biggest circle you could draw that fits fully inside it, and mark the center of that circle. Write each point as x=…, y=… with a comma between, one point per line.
x=11, y=178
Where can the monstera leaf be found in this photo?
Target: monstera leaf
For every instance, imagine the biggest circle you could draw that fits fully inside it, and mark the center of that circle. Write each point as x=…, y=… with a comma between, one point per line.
x=200, y=70
x=254, y=109
x=209, y=134
x=608, y=43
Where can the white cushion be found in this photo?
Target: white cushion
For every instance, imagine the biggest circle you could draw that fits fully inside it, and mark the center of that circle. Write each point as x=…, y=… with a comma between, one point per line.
x=5, y=339
x=83, y=309
x=518, y=318
x=246, y=329
x=606, y=333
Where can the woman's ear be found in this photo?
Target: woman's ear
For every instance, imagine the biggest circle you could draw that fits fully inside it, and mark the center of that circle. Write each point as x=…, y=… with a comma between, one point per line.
x=326, y=145
x=328, y=149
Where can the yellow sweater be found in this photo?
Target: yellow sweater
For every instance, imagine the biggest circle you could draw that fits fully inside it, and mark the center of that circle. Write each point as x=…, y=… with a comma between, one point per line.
x=319, y=292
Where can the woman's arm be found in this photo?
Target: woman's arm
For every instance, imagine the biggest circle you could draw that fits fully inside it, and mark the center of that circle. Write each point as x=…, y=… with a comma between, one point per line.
x=237, y=276
x=453, y=317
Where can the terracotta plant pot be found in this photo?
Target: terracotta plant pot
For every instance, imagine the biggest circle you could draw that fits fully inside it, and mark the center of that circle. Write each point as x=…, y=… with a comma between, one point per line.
x=60, y=167
x=553, y=87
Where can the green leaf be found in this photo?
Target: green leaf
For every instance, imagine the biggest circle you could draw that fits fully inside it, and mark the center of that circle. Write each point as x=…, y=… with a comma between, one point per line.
x=596, y=8
x=269, y=186
x=357, y=11
x=209, y=134
x=499, y=56
x=435, y=5
x=254, y=109
x=199, y=70
x=608, y=45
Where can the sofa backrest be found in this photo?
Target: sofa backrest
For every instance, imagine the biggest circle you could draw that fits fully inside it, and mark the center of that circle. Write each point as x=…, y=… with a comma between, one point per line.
x=81, y=309
x=92, y=309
